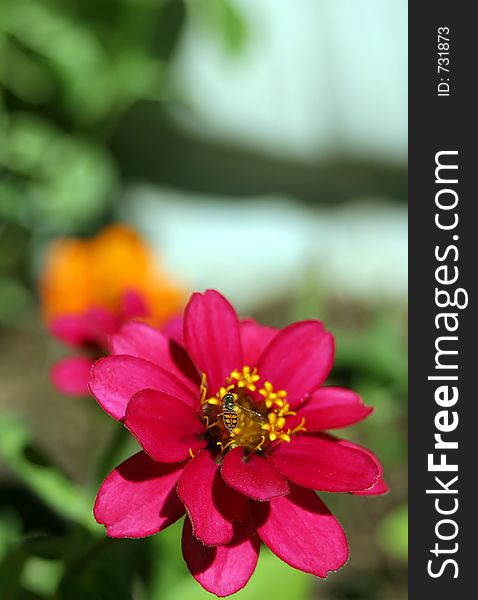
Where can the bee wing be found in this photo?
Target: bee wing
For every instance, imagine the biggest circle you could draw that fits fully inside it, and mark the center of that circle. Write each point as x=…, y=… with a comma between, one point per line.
x=253, y=414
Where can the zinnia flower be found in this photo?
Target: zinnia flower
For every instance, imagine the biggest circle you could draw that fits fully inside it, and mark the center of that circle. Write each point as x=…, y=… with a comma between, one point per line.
x=89, y=288
x=231, y=422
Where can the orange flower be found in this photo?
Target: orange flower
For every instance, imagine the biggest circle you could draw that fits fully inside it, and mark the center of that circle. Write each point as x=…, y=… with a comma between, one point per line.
x=81, y=274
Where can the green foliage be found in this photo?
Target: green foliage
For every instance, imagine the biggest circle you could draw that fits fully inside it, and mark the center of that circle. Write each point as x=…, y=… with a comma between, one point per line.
x=9, y=530
x=223, y=18
x=11, y=569
x=41, y=576
x=392, y=533
x=44, y=478
x=62, y=181
x=102, y=570
x=15, y=301
x=69, y=73
x=75, y=59
x=378, y=350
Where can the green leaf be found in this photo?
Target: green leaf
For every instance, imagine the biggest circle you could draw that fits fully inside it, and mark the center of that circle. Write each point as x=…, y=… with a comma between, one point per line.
x=223, y=17
x=73, y=52
x=44, y=479
x=233, y=27
x=67, y=181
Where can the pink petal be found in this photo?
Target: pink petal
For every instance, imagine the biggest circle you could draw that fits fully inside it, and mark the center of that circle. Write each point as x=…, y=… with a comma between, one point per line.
x=139, y=498
x=255, y=338
x=210, y=503
x=133, y=305
x=166, y=427
x=320, y=463
x=211, y=336
x=298, y=359
x=379, y=487
x=115, y=379
x=256, y=478
x=92, y=327
x=302, y=532
x=222, y=570
x=173, y=328
x=143, y=341
x=70, y=375
x=332, y=408
x=71, y=329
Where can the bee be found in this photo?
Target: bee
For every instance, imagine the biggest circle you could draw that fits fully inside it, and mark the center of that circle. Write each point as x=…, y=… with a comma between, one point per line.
x=230, y=412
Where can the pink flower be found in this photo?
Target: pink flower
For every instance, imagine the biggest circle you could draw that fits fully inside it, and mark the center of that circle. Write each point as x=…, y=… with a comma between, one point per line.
x=88, y=333
x=231, y=424
x=90, y=287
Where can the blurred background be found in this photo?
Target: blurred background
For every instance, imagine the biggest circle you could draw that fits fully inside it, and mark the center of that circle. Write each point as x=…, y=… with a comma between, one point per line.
x=260, y=148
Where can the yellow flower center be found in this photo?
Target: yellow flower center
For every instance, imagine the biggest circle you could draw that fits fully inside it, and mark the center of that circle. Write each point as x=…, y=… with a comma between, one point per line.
x=241, y=415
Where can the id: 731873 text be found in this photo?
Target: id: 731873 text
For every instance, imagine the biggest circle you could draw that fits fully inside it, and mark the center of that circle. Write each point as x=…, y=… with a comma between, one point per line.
x=443, y=61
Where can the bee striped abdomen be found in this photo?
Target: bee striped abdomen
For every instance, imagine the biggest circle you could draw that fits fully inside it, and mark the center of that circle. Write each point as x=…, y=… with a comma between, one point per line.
x=230, y=420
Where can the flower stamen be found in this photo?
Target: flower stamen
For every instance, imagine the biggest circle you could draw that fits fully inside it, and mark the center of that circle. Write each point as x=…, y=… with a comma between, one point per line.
x=210, y=425
x=238, y=419
x=300, y=426
x=226, y=445
x=275, y=427
x=203, y=389
x=258, y=448
x=247, y=378
x=271, y=397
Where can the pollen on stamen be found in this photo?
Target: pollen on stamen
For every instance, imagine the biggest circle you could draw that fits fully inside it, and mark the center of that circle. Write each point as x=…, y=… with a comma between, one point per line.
x=247, y=378
x=271, y=397
x=275, y=428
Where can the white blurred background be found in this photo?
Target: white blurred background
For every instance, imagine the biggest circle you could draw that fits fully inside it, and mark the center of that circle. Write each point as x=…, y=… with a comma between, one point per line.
x=314, y=82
